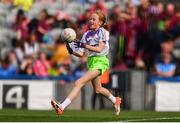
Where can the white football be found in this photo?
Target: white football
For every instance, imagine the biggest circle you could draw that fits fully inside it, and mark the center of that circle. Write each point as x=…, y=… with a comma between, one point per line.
x=68, y=35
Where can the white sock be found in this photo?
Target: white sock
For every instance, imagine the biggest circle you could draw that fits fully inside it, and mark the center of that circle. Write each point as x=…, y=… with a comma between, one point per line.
x=112, y=98
x=65, y=103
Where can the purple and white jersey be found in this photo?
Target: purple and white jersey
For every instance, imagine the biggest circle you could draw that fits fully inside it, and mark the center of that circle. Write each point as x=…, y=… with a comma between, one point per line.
x=93, y=38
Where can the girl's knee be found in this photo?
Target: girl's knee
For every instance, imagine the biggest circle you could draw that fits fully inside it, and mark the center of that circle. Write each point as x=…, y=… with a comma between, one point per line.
x=78, y=84
x=98, y=90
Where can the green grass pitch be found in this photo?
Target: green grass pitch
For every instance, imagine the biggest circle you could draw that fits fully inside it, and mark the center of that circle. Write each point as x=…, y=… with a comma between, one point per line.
x=14, y=115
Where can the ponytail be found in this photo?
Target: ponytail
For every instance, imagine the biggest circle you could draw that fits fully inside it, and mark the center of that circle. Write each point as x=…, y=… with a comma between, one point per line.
x=102, y=18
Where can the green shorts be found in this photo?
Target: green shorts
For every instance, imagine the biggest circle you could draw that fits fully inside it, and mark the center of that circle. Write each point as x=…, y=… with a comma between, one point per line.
x=98, y=63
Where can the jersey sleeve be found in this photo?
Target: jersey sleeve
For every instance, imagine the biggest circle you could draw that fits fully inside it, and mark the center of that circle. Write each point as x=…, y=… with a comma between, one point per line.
x=103, y=35
x=83, y=39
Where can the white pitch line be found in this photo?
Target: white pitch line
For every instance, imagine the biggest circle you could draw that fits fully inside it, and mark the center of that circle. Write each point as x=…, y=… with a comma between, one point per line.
x=149, y=119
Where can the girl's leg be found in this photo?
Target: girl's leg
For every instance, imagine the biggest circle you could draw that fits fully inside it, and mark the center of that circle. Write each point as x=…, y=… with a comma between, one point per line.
x=90, y=75
x=99, y=89
x=78, y=85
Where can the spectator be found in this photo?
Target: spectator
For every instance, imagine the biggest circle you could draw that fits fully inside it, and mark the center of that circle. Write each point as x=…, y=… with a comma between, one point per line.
x=165, y=65
x=174, y=20
x=170, y=10
x=161, y=17
x=33, y=25
x=60, y=59
x=28, y=70
x=119, y=30
x=41, y=65
x=26, y=66
x=133, y=27
x=7, y=69
x=19, y=50
x=31, y=47
x=60, y=53
x=44, y=25
x=114, y=16
x=21, y=25
x=13, y=59
x=53, y=70
x=151, y=36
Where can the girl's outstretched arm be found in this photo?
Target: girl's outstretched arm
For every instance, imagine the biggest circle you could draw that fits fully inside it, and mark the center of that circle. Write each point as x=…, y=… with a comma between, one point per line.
x=70, y=50
x=97, y=48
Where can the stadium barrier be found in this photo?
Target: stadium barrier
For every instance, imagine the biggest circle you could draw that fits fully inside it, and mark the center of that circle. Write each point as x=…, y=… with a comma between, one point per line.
x=167, y=96
x=36, y=93
x=120, y=84
x=28, y=94
x=130, y=85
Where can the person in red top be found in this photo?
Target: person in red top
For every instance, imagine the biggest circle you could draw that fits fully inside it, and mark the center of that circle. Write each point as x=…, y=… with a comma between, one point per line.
x=174, y=20
x=133, y=26
x=44, y=25
x=21, y=25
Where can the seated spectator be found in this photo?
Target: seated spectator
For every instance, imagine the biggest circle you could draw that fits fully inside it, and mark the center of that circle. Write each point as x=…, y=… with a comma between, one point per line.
x=53, y=70
x=13, y=59
x=19, y=50
x=28, y=70
x=165, y=64
x=60, y=53
x=28, y=61
x=63, y=69
x=31, y=47
x=7, y=69
x=60, y=58
x=41, y=65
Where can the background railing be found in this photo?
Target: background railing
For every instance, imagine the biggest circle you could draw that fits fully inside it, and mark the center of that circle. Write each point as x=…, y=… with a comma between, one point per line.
x=137, y=92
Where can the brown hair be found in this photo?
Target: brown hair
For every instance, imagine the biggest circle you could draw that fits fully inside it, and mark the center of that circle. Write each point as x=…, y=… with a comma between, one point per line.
x=102, y=18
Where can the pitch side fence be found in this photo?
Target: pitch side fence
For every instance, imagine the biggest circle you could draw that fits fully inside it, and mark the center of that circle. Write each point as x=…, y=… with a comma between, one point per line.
x=136, y=89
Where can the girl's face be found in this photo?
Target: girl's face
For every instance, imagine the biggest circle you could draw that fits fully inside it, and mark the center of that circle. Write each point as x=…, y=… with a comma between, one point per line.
x=94, y=22
x=42, y=56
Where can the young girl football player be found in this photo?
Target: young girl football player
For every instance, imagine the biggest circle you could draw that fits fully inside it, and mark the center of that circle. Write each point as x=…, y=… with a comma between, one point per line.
x=96, y=46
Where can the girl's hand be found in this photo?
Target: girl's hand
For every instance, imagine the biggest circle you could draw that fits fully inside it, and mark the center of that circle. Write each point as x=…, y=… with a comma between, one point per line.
x=80, y=44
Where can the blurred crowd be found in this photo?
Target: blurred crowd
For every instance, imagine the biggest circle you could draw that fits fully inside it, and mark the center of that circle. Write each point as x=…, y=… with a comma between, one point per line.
x=143, y=35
